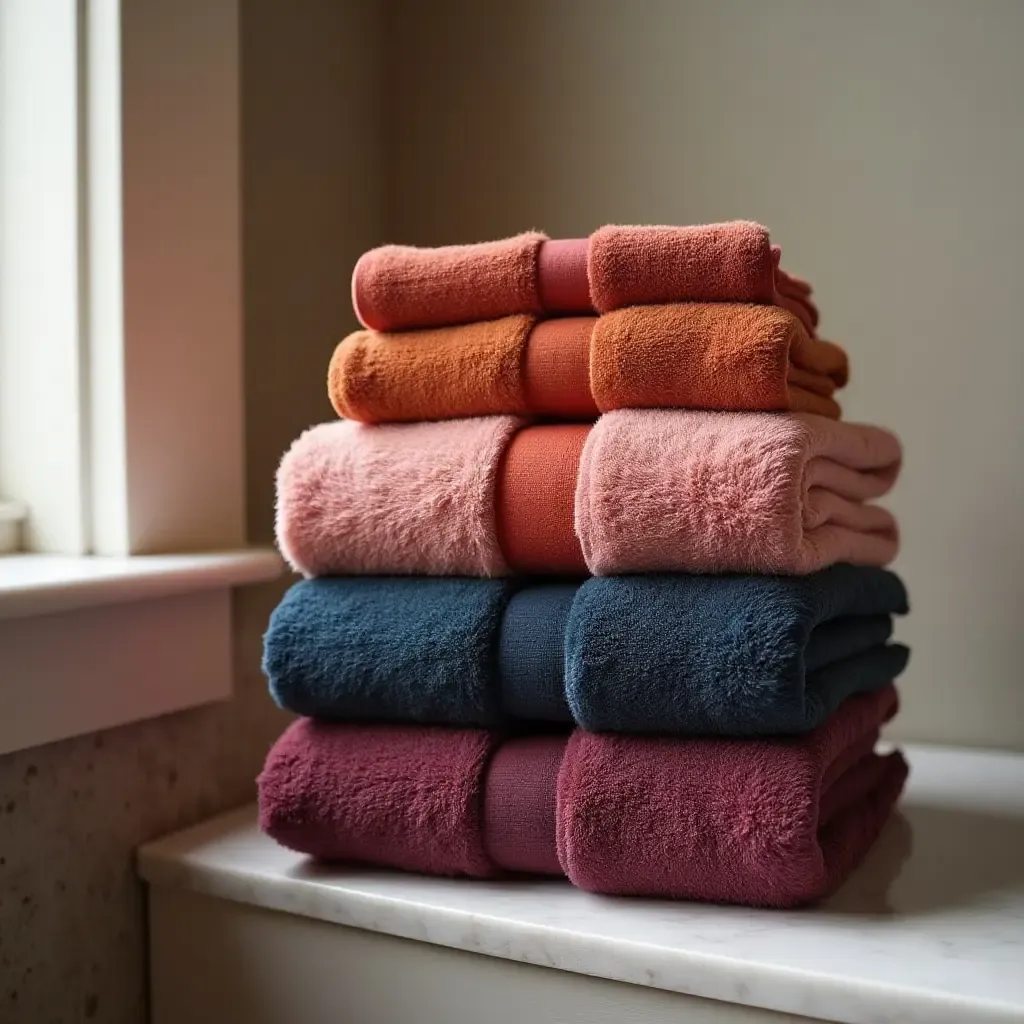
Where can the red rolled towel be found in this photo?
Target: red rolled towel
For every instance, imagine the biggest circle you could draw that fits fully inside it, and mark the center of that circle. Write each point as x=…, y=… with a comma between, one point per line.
x=767, y=823
x=399, y=287
x=395, y=287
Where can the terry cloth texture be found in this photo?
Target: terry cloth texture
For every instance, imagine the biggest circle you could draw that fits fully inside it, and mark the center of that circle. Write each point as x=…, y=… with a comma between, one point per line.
x=731, y=262
x=684, y=655
x=707, y=492
x=655, y=491
x=761, y=822
x=395, y=287
x=400, y=287
x=717, y=356
x=729, y=356
x=406, y=797
x=393, y=499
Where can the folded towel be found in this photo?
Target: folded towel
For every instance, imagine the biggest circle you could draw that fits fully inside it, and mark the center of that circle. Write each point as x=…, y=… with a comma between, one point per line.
x=649, y=491
x=764, y=822
x=721, y=492
x=685, y=655
x=624, y=266
x=732, y=262
x=760, y=822
x=408, y=499
x=733, y=356
x=398, y=287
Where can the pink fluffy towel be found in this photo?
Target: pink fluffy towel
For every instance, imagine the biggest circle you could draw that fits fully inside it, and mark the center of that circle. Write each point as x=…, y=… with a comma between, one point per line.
x=400, y=287
x=707, y=492
x=773, y=823
x=648, y=490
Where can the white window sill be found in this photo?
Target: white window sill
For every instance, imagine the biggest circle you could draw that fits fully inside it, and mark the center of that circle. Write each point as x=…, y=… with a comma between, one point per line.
x=91, y=643
x=44, y=584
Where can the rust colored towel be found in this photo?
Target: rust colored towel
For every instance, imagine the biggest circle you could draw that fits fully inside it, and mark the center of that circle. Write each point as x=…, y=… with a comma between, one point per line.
x=728, y=356
x=536, y=499
x=719, y=356
x=399, y=287
x=395, y=287
x=763, y=822
x=515, y=365
x=645, y=491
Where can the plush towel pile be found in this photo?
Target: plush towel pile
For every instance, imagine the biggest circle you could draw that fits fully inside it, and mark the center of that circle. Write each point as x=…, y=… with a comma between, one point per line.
x=595, y=576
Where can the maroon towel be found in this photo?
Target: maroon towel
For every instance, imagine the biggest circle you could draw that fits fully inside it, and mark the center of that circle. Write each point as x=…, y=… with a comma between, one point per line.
x=767, y=823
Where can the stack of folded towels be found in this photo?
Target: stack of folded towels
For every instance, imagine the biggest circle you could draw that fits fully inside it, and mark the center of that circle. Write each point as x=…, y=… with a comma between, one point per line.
x=595, y=586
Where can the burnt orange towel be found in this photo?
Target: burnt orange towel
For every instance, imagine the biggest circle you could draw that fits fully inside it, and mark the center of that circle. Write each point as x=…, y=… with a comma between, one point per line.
x=716, y=356
x=731, y=357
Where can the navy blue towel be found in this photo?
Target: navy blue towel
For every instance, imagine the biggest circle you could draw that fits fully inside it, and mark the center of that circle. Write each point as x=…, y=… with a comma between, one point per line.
x=726, y=655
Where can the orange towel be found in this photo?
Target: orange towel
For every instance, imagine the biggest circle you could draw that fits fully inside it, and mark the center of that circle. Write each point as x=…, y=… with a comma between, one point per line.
x=715, y=356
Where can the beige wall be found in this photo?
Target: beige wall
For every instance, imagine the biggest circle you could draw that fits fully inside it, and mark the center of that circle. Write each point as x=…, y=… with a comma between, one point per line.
x=72, y=938
x=883, y=144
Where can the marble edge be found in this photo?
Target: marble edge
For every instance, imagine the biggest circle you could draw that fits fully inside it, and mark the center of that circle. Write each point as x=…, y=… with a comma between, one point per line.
x=688, y=972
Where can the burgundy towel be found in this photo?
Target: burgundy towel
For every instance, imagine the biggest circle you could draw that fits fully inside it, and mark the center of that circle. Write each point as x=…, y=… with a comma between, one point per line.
x=402, y=287
x=406, y=797
x=520, y=804
x=768, y=822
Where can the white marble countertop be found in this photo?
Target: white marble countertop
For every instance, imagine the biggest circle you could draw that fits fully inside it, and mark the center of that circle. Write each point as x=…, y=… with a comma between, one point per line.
x=931, y=928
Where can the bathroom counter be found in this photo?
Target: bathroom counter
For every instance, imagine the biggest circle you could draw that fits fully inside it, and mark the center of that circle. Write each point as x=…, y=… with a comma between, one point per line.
x=930, y=929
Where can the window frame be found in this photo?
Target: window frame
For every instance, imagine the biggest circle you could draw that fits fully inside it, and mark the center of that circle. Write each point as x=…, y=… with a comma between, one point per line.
x=133, y=394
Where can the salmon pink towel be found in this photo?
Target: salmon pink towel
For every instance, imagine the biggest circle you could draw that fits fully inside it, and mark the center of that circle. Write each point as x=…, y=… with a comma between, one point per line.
x=721, y=492
x=773, y=823
x=640, y=491
x=398, y=287
x=689, y=355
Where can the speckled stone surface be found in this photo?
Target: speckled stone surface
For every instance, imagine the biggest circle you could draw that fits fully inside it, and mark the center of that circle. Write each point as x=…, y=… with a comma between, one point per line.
x=72, y=930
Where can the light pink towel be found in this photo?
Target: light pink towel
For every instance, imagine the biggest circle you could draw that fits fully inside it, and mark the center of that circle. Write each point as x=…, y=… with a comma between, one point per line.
x=661, y=490
x=655, y=490
x=407, y=498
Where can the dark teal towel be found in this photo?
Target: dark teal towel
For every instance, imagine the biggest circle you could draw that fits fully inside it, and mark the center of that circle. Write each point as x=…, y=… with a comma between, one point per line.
x=727, y=655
